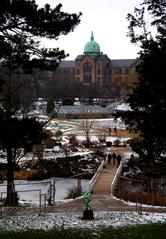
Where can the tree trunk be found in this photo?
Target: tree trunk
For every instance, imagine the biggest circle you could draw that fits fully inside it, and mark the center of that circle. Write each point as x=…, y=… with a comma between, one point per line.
x=87, y=139
x=11, y=198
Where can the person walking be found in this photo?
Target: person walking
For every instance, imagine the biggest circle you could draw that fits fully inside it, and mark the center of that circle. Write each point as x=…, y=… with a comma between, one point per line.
x=115, y=131
x=109, y=158
x=114, y=158
x=119, y=158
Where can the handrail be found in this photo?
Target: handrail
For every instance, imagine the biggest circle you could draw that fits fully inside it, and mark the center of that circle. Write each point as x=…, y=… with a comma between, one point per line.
x=96, y=175
x=114, y=182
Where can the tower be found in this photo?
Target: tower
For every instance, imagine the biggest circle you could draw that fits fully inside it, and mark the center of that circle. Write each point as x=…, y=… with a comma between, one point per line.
x=92, y=66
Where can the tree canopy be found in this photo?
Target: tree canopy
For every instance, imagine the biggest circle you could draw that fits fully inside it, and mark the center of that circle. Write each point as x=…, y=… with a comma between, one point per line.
x=23, y=24
x=148, y=99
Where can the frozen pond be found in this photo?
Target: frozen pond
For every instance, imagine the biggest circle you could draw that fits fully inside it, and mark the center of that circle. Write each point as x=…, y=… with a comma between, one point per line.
x=29, y=191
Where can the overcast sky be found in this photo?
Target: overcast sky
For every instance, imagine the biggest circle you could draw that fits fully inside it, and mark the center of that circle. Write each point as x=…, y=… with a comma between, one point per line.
x=107, y=20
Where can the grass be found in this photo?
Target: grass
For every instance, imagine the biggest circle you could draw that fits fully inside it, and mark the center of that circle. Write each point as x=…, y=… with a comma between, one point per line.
x=150, y=231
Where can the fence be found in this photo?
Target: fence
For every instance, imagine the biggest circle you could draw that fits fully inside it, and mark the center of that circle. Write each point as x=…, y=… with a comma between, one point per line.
x=43, y=198
x=114, y=182
x=135, y=191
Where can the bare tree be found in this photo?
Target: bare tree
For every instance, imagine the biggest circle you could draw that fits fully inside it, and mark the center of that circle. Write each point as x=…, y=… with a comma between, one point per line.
x=87, y=123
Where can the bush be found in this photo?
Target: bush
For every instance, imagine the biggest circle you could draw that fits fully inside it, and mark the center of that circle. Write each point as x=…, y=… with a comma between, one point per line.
x=58, y=134
x=74, y=192
x=151, y=231
x=116, y=143
x=73, y=141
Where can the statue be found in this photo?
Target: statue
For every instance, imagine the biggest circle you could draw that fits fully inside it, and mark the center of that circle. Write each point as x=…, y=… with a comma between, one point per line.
x=87, y=199
x=88, y=213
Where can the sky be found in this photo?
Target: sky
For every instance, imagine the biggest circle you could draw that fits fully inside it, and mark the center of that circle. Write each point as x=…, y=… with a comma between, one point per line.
x=107, y=20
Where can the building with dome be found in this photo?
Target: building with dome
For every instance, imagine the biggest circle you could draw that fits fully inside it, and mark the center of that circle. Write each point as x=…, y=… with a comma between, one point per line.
x=93, y=74
x=92, y=46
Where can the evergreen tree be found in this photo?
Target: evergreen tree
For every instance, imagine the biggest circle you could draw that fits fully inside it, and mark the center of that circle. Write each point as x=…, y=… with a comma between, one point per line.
x=148, y=99
x=22, y=24
x=50, y=106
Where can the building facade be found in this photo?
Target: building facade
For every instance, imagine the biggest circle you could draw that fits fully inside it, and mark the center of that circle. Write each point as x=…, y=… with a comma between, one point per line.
x=96, y=74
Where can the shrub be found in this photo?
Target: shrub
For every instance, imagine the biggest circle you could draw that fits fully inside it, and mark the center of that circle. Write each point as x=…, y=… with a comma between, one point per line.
x=73, y=141
x=74, y=192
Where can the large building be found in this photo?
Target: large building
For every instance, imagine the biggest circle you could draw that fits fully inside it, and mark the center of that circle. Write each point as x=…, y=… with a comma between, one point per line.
x=91, y=75
x=94, y=74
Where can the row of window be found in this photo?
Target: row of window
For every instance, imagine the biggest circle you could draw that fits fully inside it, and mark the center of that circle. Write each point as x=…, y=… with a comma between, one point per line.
x=87, y=68
x=88, y=78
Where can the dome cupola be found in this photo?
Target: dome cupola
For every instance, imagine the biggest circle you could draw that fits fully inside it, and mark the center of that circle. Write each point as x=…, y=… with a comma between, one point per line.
x=92, y=46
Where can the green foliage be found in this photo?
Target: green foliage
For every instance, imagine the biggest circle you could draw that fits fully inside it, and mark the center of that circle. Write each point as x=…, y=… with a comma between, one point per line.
x=152, y=231
x=21, y=25
x=20, y=133
x=148, y=100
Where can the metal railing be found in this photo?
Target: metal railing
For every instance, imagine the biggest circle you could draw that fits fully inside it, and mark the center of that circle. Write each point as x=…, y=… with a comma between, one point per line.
x=114, y=182
x=96, y=175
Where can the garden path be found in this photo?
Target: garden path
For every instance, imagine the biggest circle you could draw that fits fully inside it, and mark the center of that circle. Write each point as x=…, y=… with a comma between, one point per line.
x=104, y=181
x=106, y=177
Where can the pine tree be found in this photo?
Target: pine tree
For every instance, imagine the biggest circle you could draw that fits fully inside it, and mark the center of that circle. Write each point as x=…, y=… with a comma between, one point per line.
x=148, y=99
x=50, y=106
x=22, y=24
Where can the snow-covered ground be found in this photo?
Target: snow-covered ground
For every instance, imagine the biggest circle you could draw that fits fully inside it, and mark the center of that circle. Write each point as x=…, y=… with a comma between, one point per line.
x=67, y=126
x=62, y=185
x=72, y=220
x=70, y=127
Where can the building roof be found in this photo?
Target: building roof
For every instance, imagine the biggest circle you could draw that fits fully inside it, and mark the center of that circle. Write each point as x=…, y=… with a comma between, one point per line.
x=67, y=64
x=114, y=63
x=98, y=56
x=92, y=46
x=122, y=63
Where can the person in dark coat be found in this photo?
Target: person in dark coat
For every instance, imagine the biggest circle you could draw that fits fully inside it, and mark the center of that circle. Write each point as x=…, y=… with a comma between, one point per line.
x=115, y=131
x=118, y=160
x=109, y=158
x=114, y=158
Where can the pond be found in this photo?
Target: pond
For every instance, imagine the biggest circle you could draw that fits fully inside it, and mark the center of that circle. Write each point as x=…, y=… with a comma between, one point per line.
x=29, y=191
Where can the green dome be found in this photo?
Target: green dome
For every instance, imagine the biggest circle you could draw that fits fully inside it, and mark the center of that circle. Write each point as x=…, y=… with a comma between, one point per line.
x=92, y=46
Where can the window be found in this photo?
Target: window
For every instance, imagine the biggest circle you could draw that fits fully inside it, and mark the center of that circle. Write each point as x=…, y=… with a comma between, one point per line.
x=87, y=67
x=126, y=71
x=118, y=71
x=78, y=71
x=87, y=78
x=87, y=72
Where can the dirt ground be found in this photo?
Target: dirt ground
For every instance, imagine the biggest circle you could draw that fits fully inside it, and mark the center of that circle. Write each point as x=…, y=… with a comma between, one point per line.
x=98, y=203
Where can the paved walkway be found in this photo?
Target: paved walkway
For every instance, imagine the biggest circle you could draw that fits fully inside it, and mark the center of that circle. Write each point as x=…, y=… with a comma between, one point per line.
x=104, y=181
